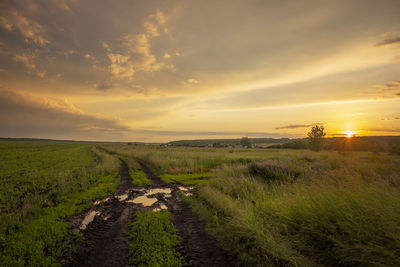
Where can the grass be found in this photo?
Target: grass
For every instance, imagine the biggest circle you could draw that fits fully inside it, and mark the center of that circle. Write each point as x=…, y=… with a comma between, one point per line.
x=188, y=178
x=43, y=184
x=139, y=178
x=291, y=207
x=336, y=211
x=154, y=240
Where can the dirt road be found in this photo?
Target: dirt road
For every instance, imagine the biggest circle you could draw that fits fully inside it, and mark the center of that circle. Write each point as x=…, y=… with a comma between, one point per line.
x=105, y=226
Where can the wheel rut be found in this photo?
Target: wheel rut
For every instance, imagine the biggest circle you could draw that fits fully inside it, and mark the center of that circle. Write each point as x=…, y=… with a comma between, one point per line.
x=106, y=239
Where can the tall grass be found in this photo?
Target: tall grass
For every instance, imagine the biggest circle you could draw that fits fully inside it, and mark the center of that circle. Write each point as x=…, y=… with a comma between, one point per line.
x=337, y=211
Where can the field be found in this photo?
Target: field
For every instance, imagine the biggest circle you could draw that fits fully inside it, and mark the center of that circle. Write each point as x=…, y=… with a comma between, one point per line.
x=263, y=206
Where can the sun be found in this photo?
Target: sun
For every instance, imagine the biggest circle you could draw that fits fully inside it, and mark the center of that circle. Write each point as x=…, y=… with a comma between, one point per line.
x=349, y=133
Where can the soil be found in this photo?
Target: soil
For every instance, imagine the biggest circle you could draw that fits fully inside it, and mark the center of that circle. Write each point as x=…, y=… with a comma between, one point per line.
x=106, y=241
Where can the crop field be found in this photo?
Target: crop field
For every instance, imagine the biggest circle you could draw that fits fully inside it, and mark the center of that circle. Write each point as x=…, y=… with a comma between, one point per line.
x=172, y=205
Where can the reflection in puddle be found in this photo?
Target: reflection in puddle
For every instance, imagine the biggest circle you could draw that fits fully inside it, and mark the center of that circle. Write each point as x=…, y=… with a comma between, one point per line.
x=158, y=190
x=101, y=201
x=122, y=197
x=144, y=200
x=88, y=219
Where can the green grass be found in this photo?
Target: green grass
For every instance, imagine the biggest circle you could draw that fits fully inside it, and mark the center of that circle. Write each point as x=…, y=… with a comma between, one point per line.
x=188, y=178
x=139, y=178
x=154, y=240
x=336, y=211
x=43, y=184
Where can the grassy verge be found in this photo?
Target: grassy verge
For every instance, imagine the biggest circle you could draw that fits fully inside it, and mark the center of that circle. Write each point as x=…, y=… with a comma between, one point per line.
x=339, y=211
x=153, y=240
x=54, y=181
x=188, y=178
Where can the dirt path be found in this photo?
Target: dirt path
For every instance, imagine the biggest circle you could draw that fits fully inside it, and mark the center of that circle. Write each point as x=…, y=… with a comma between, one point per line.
x=198, y=248
x=105, y=225
x=106, y=237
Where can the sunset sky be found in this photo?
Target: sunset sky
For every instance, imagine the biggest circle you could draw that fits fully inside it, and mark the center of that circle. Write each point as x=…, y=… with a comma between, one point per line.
x=167, y=70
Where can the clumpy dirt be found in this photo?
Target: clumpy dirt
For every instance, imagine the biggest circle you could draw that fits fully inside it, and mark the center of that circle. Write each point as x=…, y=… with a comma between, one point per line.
x=106, y=241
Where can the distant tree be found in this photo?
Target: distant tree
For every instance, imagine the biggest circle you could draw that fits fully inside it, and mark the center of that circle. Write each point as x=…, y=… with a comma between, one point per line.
x=245, y=141
x=316, y=137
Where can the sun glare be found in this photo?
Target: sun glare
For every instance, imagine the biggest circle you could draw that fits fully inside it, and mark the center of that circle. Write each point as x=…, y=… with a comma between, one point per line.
x=349, y=133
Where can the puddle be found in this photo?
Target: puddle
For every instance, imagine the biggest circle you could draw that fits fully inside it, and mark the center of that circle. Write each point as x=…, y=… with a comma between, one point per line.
x=101, y=201
x=158, y=190
x=163, y=207
x=183, y=188
x=144, y=200
x=88, y=219
x=122, y=197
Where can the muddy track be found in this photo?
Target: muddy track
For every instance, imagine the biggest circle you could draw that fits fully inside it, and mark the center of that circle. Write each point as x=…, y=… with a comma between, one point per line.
x=106, y=241
x=198, y=247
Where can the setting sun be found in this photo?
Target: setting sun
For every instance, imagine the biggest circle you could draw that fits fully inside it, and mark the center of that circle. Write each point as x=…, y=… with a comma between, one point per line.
x=350, y=133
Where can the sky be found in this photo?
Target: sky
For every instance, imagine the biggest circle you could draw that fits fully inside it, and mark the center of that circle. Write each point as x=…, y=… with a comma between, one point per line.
x=158, y=71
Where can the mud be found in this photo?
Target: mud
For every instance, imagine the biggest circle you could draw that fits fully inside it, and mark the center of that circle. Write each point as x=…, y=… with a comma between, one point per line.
x=105, y=225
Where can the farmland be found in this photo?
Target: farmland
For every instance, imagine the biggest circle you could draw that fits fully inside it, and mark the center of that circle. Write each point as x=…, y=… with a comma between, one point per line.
x=263, y=207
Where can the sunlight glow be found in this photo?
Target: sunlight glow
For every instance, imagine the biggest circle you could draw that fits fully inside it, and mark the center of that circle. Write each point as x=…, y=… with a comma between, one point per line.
x=349, y=133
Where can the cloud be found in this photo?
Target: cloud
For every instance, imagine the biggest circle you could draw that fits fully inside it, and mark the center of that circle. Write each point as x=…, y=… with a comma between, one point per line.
x=206, y=133
x=103, y=86
x=133, y=53
x=385, y=130
x=32, y=31
x=21, y=116
x=294, y=126
x=28, y=61
x=390, y=119
x=191, y=80
x=390, y=41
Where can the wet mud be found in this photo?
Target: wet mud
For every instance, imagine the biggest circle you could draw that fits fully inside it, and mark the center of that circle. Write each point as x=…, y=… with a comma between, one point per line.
x=105, y=225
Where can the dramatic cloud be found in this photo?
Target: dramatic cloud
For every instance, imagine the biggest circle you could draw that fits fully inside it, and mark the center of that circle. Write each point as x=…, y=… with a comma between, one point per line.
x=388, y=42
x=25, y=117
x=31, y=30
x=135, y=51
x=176, y=69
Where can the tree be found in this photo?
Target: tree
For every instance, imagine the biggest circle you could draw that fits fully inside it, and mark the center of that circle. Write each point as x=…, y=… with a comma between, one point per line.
x=316, y=137
x=245, y=141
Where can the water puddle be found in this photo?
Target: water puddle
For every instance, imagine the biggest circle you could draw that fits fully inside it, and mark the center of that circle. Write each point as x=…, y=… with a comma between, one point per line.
x=183, y=188
x=88, y=219
x=122, y=197
x=158, y=190
x=101, y=201
x=144, y=200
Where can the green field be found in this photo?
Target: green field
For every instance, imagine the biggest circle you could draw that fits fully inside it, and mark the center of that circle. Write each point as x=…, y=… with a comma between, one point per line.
x=291, y=207
x=267, y=207
x=42, y=185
